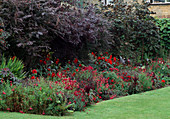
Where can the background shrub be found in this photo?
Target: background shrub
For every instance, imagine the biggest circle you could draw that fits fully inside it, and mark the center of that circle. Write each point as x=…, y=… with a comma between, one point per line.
x=3, y=36
x=133, y=31
x=37, y=26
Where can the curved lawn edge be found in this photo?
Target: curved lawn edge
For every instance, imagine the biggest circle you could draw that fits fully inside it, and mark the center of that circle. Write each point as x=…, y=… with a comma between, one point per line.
x=153, y=104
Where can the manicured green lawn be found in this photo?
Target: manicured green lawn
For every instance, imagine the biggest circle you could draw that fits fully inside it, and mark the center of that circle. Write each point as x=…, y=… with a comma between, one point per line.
x=150, y=105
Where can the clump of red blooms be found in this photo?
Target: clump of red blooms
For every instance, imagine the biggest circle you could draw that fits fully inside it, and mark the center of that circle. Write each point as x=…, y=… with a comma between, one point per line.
x=94, y=87
x=101, y=59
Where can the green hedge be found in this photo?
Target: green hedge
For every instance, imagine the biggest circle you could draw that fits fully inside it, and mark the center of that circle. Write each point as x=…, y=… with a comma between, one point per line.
x=164, y=27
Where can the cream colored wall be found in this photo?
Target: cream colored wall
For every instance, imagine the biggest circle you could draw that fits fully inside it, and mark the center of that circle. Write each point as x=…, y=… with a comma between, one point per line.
x=162, y=11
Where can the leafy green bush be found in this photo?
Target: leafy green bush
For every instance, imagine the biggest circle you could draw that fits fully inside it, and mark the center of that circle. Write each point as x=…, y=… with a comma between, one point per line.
x=36, y=97
x=118, y=86
x=13, y=65
x=164, y=27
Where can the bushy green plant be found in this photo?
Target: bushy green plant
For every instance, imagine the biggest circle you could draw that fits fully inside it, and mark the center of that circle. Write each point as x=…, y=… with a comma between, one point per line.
x=118, y=86
x=36, y=97
x=139, y=83
x=164, y=31
x=160, y=68
x=14, y=65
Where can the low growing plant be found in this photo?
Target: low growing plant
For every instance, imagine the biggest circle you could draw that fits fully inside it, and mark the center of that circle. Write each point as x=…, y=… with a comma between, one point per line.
x=12, y=66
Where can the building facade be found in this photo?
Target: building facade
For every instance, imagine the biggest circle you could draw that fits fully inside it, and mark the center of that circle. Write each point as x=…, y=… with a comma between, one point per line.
x=161, y=7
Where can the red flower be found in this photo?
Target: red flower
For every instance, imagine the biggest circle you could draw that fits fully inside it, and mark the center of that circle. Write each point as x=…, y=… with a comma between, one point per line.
x=163, y=81
x=93, y=53
x=77, y=70
x=82, y=100
x=33, y=77
x=53, y=75
x=76, y=60
x=34, y=71
x=41, y=61
x=74, y=74
x=110, y=62
x=8, y=109
x=110, y=57
x=99, y=58
x=45, y=62
x=13, y=89
x=57, y=61
x=114, y=59
x=47, y=58
x=13, y=57
x=80, y=65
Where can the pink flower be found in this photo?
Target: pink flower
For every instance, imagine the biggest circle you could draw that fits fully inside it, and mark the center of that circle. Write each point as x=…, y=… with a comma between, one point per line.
x=43, y=113
x=3, y=93
x=30, y=108
x=21, y=111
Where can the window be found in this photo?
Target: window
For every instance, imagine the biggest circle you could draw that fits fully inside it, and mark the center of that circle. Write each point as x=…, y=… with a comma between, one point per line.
x=159, y=1
x=107, y=2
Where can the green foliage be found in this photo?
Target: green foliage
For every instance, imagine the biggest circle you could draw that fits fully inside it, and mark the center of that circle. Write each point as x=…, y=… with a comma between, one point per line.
x=118, y=86
x=164, y=31
x=141, y=82
x=13, y=65
x=34, y=97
